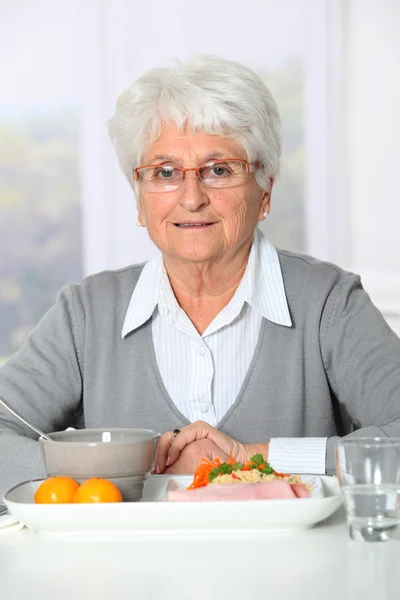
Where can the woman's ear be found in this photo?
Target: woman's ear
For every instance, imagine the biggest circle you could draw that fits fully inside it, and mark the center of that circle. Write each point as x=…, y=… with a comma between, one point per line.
x=265, y=205
x=141, y=220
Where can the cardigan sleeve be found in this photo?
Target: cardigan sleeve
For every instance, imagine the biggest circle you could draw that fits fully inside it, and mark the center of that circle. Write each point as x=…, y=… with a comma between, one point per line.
x=361, y=355
x=43, y=382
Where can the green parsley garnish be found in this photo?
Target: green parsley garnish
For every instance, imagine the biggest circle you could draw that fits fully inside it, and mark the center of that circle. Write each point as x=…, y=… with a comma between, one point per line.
x=256, y=462
x=224, y=469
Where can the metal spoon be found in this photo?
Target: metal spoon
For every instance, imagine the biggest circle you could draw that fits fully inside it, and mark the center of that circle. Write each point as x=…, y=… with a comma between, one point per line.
x=35, y=429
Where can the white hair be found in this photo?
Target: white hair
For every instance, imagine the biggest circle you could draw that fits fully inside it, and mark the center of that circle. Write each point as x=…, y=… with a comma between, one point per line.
x=208, y=94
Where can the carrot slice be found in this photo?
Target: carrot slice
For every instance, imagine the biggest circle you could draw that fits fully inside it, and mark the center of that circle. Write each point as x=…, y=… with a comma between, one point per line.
x=201, y=474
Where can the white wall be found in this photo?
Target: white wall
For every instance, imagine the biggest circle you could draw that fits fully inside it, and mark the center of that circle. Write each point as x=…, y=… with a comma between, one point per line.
x=372, y=153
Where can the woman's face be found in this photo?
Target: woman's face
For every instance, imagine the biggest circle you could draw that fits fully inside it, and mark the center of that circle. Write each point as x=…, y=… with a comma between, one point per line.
x=231, y=214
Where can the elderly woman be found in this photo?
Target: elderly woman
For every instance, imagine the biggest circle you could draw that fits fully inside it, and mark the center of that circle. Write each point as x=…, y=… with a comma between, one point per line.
x=221, y=342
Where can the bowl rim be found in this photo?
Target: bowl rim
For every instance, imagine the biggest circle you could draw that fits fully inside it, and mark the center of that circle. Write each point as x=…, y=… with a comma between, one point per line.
x=152, y=436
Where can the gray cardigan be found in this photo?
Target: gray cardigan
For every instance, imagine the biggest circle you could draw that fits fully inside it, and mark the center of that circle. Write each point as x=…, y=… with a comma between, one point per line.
x=335, y=372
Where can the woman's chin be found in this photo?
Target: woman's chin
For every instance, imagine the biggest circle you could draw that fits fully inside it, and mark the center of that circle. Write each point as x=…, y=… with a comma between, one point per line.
x=195, y=253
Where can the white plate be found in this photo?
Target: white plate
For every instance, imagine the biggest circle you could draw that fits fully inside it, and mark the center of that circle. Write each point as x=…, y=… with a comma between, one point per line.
x=152, y=516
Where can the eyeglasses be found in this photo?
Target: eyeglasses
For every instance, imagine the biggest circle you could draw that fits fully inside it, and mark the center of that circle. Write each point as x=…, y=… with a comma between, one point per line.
x=224, y=173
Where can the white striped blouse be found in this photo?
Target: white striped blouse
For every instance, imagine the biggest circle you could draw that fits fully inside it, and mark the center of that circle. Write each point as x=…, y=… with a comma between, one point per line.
x=203, y=374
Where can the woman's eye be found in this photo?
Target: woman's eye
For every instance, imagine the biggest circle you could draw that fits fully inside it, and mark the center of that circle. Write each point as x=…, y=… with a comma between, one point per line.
x=165, y=173
x=219, y=170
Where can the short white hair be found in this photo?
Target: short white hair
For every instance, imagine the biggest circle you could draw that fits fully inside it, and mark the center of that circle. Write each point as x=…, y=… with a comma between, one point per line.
x=207, y=94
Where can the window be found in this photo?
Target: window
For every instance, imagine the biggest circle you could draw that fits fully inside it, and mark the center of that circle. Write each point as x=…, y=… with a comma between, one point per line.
x=40, y=216
x=66, y=210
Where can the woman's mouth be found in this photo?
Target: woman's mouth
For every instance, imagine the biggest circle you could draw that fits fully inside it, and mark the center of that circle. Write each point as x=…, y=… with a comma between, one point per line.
x=193, y=225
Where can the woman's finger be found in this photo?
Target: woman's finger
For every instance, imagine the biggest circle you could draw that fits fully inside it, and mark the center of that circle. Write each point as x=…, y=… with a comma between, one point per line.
x=162, y=451
x=170, y=447
x=188, y=435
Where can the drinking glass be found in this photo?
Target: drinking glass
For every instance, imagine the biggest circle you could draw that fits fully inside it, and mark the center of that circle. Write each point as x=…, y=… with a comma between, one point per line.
x=369, y=475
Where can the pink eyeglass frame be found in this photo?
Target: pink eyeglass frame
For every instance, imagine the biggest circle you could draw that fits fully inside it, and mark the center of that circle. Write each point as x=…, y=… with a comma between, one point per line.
x=250, y=167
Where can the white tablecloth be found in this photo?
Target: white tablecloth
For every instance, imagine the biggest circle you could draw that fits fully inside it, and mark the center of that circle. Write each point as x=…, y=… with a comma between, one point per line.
x=318, y=564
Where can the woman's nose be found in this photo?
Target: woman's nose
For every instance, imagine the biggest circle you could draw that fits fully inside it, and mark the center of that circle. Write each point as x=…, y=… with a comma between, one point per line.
x=193, y=194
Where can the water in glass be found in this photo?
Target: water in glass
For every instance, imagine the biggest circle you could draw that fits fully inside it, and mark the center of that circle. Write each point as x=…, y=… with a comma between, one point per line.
x=373, y=511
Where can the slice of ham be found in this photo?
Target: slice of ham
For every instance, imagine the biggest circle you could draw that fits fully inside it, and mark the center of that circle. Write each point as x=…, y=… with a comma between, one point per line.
x=300, y=490
x=270, y=490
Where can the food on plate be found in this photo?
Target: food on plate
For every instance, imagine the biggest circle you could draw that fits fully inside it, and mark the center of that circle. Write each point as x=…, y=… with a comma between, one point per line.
x=271, y=490
x=97, y=490
x=231, y=480
x=56, y=490
x=65, y=490
x=256, y=470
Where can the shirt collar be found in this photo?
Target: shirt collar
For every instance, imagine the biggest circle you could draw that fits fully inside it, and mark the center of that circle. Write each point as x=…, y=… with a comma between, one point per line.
x=261, y=286
x=265, y=290
x=145, y=296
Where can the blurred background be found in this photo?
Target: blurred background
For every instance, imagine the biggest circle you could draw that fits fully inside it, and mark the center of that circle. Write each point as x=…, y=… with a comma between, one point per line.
x=65, y=209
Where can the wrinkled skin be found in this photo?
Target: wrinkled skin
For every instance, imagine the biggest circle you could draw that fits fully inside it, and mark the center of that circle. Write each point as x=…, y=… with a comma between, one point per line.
x=201, y=253
x=190, y=457
x=182, y=454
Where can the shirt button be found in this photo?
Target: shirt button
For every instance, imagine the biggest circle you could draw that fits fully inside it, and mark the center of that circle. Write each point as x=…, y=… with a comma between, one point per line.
x=202, y=350
x=204, y=407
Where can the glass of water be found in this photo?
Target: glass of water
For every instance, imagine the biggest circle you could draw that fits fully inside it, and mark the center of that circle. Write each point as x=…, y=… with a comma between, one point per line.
x=369, y=474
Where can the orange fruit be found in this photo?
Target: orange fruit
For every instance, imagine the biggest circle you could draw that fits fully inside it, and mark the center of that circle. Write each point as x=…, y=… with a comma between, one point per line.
x=97, y=490
x=56, y=490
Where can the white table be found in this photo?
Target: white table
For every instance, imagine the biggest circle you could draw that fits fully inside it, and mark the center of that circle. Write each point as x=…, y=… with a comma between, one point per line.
x=318, y=564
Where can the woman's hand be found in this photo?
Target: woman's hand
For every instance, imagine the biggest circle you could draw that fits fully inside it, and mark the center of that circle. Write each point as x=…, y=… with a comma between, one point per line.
x=190, y=457
x=169, y=447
